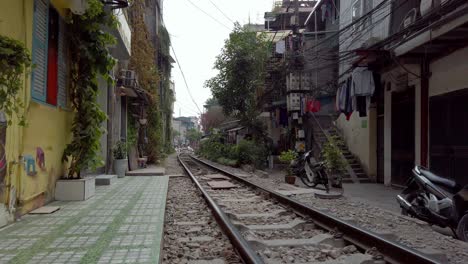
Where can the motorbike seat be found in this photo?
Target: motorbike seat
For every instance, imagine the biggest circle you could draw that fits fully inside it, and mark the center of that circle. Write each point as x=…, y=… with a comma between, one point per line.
x=444, y=182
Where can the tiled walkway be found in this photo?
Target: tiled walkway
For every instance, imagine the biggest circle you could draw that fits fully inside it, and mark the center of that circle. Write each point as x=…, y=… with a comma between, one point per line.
x=122, y=223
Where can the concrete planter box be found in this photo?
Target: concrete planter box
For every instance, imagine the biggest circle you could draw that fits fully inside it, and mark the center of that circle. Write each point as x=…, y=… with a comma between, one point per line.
x=75, y=190
x=120, y=167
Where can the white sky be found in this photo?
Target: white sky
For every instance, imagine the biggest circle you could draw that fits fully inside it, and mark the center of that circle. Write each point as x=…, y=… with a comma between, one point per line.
x=197, y=40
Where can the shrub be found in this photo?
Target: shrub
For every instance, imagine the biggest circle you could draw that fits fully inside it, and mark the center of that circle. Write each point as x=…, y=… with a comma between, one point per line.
x=332, y=155
x=246, y=152
x=228, y=162
x=120, y=150
x=251, y=152
x=212, y=148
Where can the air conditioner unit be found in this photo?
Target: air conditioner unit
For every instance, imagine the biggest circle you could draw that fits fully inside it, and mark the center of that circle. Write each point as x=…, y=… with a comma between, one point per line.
x=128, y=78
x=127, y=74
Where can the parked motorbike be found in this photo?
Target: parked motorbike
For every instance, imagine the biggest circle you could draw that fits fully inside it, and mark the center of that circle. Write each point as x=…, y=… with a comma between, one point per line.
x=437, y=201
x=311, y=172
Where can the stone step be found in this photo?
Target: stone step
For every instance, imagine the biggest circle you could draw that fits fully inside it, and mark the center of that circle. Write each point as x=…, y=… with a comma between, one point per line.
x=359, y=171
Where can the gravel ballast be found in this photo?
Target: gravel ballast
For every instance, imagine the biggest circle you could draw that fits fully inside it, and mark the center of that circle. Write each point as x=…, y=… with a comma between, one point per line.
x=410, y=232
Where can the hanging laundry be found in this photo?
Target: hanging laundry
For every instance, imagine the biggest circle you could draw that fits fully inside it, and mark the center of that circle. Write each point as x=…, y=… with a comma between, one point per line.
x=345, y=100
x=361, y=105
x=342, y=97
x=363, y=87
x=363, y=82
x=337, y=98
x=281, y=47
x=324, y=11
x=283, y=117
x=313, y=106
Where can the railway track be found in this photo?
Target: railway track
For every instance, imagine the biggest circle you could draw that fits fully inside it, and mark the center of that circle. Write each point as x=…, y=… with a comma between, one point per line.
x=267, y=227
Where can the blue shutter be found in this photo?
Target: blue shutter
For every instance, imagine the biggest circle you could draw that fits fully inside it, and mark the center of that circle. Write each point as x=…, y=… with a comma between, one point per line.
x=62, y=65
x=39, y=50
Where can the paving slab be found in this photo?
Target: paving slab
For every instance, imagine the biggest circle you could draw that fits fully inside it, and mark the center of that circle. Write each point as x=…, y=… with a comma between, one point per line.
x=317, y=193
x=45, y=210
x=150, y=171
x=122, y=223
x=216, y=177
x=215, y=185
x=322, y=238
x=176, y=175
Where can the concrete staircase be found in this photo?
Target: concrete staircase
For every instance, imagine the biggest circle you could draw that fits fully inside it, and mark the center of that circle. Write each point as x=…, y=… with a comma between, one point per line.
x=354, y=171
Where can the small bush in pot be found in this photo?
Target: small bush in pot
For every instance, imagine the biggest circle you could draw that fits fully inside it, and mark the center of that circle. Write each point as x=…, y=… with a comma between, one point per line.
x=333, y=159
x=120, y=158
x=287, y=157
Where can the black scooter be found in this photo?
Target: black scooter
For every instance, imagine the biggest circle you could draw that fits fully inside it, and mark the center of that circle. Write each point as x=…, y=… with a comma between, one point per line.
x=311, y=172
x=436, y=200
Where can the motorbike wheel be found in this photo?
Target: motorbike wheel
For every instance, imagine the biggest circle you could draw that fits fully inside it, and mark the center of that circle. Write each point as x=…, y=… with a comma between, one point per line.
x=308, y=183
x=462, y=229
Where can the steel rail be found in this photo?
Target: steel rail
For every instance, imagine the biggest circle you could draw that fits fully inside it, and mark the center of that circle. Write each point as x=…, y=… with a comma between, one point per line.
x=391, y=252
x=247, y=254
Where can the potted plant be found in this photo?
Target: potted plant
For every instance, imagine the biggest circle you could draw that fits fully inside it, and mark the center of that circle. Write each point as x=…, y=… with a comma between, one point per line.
x=334, y=162
x=120, y=158
x=287, y=157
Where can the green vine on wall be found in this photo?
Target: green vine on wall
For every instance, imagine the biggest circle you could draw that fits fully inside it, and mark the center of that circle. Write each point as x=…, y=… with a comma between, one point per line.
x=143, y=61
x=89, y=59
x=15, y=61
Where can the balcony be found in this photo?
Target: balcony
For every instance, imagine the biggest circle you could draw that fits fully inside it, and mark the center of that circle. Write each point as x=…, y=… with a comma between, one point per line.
x=123, y=34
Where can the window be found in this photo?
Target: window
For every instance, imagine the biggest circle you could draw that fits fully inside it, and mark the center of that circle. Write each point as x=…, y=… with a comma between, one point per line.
x=359, y=9
x=49, y=77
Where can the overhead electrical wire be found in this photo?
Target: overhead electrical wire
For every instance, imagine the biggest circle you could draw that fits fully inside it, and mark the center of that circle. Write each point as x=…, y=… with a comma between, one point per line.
x=221, y=11
x=182, y=72
x=210, y=16
x=185, y=80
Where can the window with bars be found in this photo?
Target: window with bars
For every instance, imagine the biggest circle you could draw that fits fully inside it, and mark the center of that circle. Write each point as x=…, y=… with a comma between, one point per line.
x=49, y=53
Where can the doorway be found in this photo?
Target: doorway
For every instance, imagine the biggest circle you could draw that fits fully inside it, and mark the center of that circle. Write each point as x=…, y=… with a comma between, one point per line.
x=448, y=115
x=403, y=133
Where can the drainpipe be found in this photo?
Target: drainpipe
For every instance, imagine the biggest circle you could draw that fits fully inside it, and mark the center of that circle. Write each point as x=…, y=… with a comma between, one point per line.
x=110, y=131
x=425, y=74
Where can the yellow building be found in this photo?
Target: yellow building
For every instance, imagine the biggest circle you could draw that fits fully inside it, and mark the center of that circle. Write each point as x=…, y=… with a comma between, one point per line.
x=33, y=154
x=49, y=122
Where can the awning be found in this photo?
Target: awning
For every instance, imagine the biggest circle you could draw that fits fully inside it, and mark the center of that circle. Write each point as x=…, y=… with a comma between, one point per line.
x=275, y=36
x=236, y=129
x=143, y=95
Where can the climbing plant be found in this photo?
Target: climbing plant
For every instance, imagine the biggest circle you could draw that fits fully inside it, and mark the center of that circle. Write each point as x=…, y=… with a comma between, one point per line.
x=143, y=61
x=90, y=58
x=15, y=61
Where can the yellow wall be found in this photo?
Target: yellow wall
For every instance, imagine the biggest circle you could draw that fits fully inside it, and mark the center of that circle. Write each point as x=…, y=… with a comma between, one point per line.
x=48, y=127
